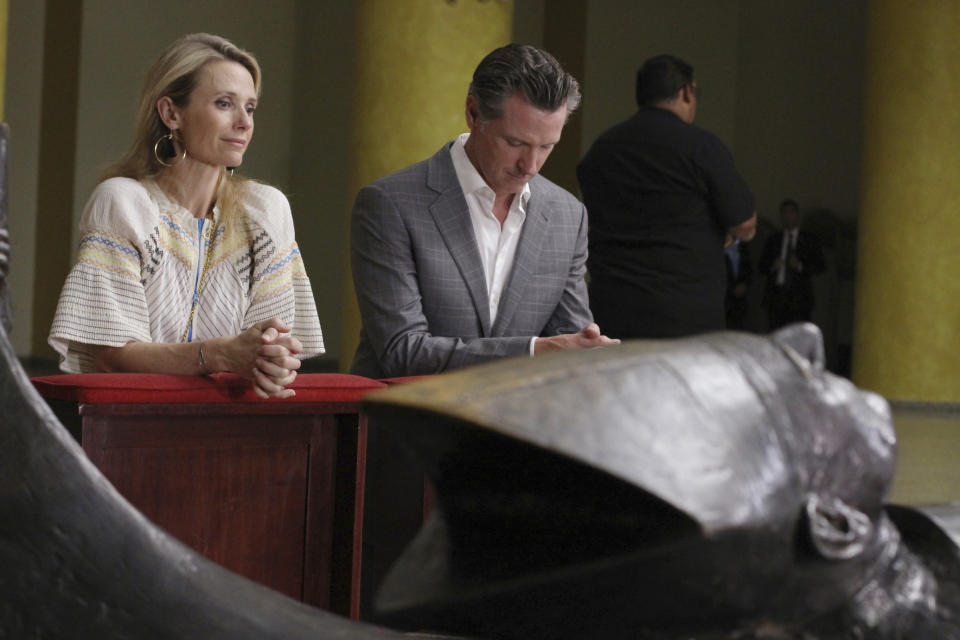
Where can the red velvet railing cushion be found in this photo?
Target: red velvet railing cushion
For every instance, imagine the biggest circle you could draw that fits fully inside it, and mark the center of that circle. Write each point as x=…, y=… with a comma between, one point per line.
x=156, y=388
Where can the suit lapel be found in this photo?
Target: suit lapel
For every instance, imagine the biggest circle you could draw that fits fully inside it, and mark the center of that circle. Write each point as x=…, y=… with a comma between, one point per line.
x=525, y=261
x=452, y=217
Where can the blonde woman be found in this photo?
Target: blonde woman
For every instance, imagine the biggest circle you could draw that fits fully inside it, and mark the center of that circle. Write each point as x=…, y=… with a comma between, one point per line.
x=184, y=267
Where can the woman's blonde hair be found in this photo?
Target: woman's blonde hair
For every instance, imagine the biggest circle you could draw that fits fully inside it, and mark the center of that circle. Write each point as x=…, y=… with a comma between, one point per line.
x=175, y=74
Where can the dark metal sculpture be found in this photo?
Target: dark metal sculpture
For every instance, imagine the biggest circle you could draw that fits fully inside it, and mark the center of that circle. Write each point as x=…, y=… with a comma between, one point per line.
x=77, y=561
x=724, y=486
x=6, y=318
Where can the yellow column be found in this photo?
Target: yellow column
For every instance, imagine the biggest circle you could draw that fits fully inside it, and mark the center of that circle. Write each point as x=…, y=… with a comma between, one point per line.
x=414, y=63
x=907, y=323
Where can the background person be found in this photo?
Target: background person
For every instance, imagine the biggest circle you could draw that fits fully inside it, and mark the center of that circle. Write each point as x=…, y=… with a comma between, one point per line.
x=739, y=277
x=790, y=259
x=662, y=195
x=182, y=266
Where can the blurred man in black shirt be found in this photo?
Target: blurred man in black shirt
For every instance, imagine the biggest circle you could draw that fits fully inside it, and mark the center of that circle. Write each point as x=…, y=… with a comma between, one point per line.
x=662, y=196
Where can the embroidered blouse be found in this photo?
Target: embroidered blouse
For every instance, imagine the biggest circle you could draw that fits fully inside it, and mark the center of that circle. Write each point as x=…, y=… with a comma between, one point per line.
x=147, y=272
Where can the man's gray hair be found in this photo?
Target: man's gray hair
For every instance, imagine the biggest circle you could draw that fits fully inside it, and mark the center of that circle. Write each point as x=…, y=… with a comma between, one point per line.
x=532, y=72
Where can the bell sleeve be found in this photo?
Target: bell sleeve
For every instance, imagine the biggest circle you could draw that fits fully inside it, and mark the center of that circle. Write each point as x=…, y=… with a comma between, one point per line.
x=280, y=287
x=103, y=300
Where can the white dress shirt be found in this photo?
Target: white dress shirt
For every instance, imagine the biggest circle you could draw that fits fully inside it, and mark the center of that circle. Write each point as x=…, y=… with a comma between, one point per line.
x=497, y=243
x=789, y=243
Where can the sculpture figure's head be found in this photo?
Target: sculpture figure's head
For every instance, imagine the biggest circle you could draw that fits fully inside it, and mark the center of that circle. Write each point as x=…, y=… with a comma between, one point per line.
x=722, y=484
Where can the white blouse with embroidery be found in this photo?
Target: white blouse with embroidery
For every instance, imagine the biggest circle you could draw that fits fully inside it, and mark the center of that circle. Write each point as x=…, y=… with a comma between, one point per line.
x=146, y=271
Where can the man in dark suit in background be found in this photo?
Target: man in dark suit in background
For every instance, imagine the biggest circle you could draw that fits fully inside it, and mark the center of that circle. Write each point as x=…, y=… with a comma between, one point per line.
x=470, y=255
x=662, y=195
x=739, y=277
x=789, y=260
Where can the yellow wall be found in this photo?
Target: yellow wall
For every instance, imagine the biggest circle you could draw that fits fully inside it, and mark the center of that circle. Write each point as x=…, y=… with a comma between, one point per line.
x=908, y=294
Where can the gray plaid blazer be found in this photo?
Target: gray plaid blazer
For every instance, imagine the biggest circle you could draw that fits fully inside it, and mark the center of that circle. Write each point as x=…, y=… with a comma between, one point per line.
x=420, y=283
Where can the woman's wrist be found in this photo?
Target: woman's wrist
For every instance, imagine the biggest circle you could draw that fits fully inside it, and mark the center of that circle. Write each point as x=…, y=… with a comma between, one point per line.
x=213, y=355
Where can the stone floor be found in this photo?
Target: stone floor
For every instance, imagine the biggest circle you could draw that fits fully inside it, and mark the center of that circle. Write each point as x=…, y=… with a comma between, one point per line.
x=928, y=463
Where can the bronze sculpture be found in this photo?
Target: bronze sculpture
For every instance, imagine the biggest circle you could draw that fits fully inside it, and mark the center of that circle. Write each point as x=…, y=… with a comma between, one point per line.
x=5, y=315
x=724, y=486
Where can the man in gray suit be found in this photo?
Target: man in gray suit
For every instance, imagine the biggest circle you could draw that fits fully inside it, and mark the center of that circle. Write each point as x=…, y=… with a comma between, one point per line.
x=470, y=255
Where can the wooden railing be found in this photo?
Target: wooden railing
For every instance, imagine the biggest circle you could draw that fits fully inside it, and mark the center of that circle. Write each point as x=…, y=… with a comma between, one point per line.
x=271, y=489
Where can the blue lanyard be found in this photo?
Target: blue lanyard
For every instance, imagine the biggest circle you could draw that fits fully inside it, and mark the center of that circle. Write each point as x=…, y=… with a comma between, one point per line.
x=196, y=281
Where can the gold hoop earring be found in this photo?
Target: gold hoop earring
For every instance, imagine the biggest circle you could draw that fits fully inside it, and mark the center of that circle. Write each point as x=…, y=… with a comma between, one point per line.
x=156, y=150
